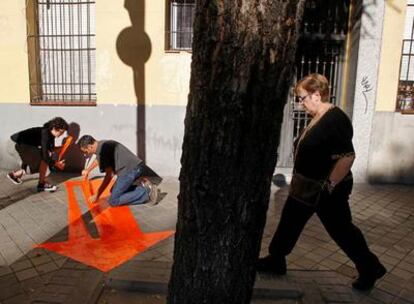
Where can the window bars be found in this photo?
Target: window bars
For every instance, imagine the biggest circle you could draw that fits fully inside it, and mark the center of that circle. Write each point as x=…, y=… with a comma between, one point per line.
x=181, y=17
x=405, y=93
x=61, y=44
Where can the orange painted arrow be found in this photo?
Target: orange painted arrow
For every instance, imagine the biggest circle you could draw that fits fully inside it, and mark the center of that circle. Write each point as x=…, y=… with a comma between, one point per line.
x=120, y=237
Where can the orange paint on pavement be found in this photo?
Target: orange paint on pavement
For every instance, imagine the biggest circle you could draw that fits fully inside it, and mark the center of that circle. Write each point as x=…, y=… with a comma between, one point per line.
x=120, y=237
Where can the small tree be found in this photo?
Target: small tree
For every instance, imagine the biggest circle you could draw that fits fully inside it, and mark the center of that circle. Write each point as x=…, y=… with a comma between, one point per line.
x=243, y=62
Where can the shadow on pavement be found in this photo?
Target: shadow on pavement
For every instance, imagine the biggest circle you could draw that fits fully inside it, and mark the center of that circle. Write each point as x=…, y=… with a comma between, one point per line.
x=16, y=193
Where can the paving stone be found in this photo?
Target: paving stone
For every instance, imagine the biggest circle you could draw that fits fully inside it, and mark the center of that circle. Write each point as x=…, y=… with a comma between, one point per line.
x=7, y=280
x=33, y=285
x=70, y=273
x=401, y=273
x=5, y=238
x=399, y=300
x=18, y=299
x=45, y=268
x=21, y=265
x=41, y=259
x=347, y=271
x=10, y=252
x=49, y=298
x=11, y=291
x=389, y=287
x=26, y=274
x=390, y=260
x=407, y=295
x=59, y=289
x=36, y=252
x=381, y=296
x=5, y=270
x=60, y=262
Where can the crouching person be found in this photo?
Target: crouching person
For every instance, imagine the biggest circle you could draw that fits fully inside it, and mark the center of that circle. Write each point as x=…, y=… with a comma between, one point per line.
x=35, y=147
x=113, y=158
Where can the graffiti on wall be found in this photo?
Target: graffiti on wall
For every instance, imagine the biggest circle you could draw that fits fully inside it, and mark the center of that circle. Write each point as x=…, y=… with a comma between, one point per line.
x=366, y=88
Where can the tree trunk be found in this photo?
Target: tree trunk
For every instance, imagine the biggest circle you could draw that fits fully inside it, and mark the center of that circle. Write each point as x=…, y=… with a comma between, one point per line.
x=243, y=59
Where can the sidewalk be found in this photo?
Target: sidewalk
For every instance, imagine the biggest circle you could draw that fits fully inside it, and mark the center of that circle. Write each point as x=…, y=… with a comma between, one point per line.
x=317, y=267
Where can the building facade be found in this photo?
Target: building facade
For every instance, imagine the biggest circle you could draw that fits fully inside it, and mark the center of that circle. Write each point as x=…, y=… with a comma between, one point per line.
x=120, y=70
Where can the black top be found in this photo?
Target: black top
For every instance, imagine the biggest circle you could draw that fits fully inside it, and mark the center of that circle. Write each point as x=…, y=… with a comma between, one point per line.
x=114, y=155
x=39, y=137
x=327, y=141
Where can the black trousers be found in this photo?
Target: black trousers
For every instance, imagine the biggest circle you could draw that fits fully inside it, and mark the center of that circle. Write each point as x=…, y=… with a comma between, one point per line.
x=334, y=212
x=30, y=156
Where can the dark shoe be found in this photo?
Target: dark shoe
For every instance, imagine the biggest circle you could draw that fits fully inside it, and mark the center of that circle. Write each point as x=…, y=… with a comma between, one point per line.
x=152, y=191
x=271, y=264
x=46, y=187
x=367, y=281
x=15, y=180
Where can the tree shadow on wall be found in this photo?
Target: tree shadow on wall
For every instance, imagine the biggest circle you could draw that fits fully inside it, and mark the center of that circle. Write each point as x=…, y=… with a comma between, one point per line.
x=75, y=160
x=134, y=49
x=401, y=172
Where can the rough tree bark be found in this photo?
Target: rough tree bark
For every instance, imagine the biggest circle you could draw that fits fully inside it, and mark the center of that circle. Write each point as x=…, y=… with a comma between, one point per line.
x=243, y=57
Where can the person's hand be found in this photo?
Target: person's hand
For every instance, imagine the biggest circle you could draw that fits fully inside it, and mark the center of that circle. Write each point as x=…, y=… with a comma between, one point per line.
x=93, y=199
x=60, y=164
x=85, y=174
x=330, y=186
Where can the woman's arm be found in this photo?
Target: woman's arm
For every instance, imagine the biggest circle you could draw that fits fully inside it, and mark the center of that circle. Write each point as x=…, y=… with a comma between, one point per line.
x=45, y=148
x=340, y=170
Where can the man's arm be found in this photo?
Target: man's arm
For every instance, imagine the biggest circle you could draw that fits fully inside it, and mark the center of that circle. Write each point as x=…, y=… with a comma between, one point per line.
x=107, y=179
x=93, y=165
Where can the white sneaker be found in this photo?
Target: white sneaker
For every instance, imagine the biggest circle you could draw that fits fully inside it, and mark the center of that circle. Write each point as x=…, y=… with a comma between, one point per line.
x=15, y=180
x=152, y=191
x=46, y=187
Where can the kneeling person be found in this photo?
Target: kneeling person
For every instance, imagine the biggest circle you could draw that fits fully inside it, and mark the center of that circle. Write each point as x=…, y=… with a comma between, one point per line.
x=113, y=158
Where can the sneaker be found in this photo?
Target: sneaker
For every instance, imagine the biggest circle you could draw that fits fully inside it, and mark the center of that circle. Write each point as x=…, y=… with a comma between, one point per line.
x=152, y=191
x=272, y=264
x=15, y=180
x=367, y=281
x=46, y=187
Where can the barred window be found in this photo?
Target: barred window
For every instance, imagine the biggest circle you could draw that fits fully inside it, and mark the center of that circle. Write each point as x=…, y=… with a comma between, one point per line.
x=180, y=31
x=405, y=94
x=61, y=48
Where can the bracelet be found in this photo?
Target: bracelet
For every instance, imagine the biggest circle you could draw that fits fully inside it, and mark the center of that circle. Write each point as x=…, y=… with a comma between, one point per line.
x=331, y=186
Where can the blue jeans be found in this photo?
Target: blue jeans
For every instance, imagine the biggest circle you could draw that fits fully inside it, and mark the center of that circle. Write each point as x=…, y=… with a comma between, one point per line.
x=124, y=192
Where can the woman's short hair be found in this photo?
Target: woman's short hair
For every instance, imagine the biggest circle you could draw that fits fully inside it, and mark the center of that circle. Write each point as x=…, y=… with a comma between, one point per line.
x=58, y=123
x=315, y=82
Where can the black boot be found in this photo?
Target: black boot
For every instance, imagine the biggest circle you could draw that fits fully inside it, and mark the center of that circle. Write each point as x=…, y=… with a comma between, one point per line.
x=272, y=264
x=366, y=280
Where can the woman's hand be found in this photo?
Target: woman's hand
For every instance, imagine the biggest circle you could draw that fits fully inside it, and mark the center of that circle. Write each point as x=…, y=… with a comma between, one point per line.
x=330, y=186
x=60, y=164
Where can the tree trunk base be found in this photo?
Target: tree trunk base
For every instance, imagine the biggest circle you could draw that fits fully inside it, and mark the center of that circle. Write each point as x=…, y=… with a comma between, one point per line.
x=153, y=277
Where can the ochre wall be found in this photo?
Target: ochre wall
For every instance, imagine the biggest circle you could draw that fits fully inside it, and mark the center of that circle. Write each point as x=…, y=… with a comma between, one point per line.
x=389, y=65
x=132, y=63
x=14, y=79
x=129, y=63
